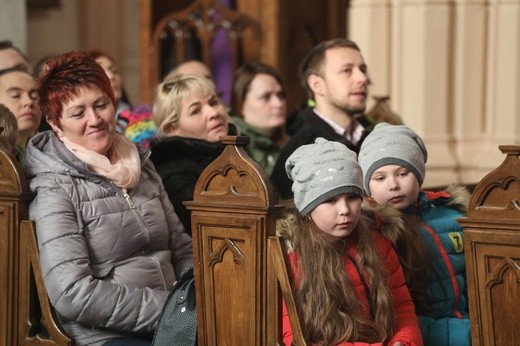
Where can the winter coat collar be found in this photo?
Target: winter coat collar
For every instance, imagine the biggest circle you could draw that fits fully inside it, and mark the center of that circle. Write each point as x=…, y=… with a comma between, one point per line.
x=46, y=153
x=168, y=149
x=454, y=197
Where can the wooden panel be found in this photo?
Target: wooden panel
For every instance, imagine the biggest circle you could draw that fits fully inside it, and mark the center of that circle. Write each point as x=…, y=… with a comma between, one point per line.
x=229, y=260
x=494, y=284
x=37, y=322
x=7, y=222
x=23, y=320
x=176, y=35
x=12, y=191
x=278, y=253
x=233, y=214
x=492, y=252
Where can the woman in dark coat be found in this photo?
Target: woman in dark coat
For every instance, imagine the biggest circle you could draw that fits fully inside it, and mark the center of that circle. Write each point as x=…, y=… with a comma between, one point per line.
x=190, y=120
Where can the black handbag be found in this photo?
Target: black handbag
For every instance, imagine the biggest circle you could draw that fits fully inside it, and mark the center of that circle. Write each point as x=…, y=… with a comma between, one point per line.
x=178, y=321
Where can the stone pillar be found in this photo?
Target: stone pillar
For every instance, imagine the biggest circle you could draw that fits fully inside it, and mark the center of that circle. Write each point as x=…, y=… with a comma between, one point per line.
x=13, y=22
x=502, y=101
x=422, y=79
x=370, y=27
x=452, y=71
x=469, y=87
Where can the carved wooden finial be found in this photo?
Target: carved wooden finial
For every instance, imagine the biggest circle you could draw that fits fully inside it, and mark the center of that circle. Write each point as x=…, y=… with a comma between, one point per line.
x=240, y=141
x=496, y=196
x=234, y=178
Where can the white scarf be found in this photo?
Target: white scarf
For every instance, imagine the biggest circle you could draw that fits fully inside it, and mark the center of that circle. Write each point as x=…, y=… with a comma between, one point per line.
x=126, y=169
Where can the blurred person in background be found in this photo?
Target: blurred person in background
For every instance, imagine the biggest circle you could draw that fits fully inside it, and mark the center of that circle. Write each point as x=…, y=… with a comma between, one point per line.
x=116, y=81
x=11, y=56
x=259, y=106
x=18, y=93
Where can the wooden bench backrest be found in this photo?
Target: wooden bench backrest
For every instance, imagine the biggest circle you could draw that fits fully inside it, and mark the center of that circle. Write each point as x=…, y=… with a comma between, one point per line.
x=239, y=259
x=26, y=316
x=237, y=254
x=492, y=252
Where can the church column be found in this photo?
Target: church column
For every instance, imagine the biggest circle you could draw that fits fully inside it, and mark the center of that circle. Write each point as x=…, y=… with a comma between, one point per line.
x=369, y=25
x=502, y=102
x=469, y=95
x=422, y=73
x=13, y=23
x=408, y=48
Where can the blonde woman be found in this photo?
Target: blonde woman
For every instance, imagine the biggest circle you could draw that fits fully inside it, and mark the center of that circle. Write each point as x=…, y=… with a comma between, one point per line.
x=190, y=119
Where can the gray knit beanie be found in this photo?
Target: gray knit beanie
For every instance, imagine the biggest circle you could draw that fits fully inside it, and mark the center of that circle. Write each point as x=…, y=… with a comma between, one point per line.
x=321, y=171
x=392, y=145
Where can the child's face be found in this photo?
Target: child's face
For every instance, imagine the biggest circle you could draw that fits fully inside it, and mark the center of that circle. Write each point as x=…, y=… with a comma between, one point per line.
x=394, y=185
x=338, y=216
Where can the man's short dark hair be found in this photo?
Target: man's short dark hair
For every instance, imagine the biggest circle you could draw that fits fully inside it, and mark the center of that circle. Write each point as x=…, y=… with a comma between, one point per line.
x=7, y=44
x=313, y=61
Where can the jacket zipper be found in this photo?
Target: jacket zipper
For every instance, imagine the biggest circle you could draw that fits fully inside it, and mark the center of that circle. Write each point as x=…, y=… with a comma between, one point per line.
x=449, y=266
x=140, y=220
x=132, y=206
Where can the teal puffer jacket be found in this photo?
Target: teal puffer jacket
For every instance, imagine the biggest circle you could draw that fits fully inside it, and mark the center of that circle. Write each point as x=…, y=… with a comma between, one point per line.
x=448, y=321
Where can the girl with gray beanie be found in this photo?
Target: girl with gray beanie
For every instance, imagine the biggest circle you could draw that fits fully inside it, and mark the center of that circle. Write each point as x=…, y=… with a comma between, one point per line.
x=349, y=285
x=430, y=246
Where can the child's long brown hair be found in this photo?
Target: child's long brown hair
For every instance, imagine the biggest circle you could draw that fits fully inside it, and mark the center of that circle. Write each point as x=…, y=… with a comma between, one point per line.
x=402, y=231
x=413, y=256
x=326, y=299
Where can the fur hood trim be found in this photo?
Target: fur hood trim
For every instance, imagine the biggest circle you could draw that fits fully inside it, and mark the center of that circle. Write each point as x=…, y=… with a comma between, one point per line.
x=388, y=220
x=460, y=196
x=287, y=225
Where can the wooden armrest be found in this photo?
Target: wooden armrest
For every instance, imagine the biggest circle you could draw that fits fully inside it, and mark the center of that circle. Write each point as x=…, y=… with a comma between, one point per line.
x=38, y=323
x=277, y=248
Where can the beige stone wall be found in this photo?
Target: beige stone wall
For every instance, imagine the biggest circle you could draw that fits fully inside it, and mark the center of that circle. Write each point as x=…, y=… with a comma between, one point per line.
x=452, y=71
x=112, y=26
x=13, y=23
x=450, y=67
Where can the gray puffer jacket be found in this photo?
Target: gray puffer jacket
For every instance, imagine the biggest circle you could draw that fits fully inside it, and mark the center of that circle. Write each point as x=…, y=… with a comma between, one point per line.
x=108, y=259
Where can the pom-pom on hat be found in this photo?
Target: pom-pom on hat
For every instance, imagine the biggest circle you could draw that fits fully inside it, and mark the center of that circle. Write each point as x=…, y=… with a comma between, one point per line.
x=392, y=145
x=321, y=171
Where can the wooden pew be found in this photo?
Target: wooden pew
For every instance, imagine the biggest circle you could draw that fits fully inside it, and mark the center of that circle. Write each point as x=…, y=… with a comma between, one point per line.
x=238, y=257
x=492, y=251
x=26, y=316
x=240, y=265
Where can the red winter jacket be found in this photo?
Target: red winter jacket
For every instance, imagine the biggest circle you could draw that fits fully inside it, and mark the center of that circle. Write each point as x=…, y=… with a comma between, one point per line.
x=407, y=330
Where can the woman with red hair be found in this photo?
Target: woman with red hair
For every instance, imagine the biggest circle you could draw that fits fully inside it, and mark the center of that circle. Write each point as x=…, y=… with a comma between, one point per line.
x=111, y=245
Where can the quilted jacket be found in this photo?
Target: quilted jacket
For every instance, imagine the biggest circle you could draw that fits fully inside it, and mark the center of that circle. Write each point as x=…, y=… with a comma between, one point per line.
x=108, y=258
x=448, y=322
